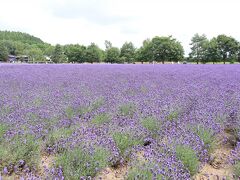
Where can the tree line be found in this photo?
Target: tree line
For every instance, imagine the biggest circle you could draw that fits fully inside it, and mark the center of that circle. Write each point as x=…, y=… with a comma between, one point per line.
x=222, y=48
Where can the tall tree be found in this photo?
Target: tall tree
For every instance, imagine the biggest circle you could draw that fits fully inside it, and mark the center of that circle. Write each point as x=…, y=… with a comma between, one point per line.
x=144, y=53
x=58, y=55
x=127, y=52
x=75, y=53
x=112, y=53
x=166, y=49
x=227, y=46
x=198, y=48
x=35, y=54
x=3, y=53
x=212, y=53
x=93, y=53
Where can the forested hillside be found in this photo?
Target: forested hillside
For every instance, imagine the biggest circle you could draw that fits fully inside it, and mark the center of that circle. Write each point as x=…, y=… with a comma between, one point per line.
x=18, y=43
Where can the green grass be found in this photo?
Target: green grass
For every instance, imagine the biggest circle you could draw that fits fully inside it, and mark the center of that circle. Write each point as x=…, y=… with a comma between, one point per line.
x=207, y=136
x=55, y=135
x=173, y=115
x=3, y=129
x=125, y=141
x=78, y=163
x=92, y=107
x=142, y=173
x=69, y=112
x=97, y=103
x=188, y=157
x=237, y=169
x=151, y=124
x=127, y=109
x=20, y=148
x=101, y=119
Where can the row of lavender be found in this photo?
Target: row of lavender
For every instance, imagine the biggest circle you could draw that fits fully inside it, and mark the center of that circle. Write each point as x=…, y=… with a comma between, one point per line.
x=89, y=117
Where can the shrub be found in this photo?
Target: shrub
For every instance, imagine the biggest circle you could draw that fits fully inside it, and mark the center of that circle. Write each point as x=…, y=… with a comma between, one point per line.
x=188, y=158
x=207, y=136
x=125, y=141
x=237, y=169
x=78, y=163
x=172, y=115
x=151, y=124
x=55, y=135
x=97, y=103
x=3, y=129
x=69, y=112
x=24, y=148
x=101, y=119
x=127, y=109
x=142, y=171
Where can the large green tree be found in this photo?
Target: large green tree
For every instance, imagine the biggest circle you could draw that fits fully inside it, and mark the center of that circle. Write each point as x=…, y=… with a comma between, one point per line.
x=212, y=53
x=58, y=55
x=35, y=54
x=228, y=47
x=112, y=53
x=144, y=53
x=75, y=53
x=93, y=53
x=127, y=52
x=166, y=49
x=199, y=45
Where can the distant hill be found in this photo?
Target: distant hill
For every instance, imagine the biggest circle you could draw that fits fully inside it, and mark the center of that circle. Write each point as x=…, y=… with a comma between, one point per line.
x=20, y=37
x=18, y=44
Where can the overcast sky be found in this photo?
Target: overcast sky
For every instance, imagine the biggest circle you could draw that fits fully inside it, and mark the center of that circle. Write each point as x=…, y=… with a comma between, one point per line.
x=86, y=21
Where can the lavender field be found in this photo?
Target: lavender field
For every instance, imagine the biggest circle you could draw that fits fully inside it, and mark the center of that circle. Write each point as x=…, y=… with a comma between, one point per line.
x=120, y=121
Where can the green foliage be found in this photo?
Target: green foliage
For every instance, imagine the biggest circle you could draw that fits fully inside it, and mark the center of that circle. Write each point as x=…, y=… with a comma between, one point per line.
x=227, y=46
x=173, y=114
x=69, y=112
x=101, y=119
x=3, y=129
x=166, y=49
x=144, y=53
x=20, y=148
x=206, y=135
x=35, y=54
x=17, y=43
x=151, y=124
x=58, y=55
x=97, y=103
x=55, y=135
x=93, y=53
x=128, y=52
x=19, y=36
x=142, y=171
x=198, y=48
x=75, y=53
x=78, y=163
x=3, y=52
x=188, y=157
x=236, y=169
x=113, y=55
x=125, y=141
x=127, y=109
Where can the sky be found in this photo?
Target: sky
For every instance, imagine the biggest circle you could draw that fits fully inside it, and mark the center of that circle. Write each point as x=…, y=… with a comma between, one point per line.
x=86, y=21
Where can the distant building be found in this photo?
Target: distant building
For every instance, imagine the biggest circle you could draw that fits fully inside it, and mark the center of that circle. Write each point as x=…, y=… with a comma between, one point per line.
x=12, y=59
x=17, y=59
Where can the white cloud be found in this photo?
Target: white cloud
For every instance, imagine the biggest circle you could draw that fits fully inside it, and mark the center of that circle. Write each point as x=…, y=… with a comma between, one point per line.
x=85, y=21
